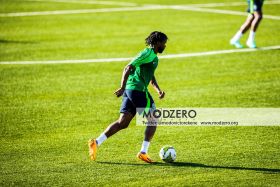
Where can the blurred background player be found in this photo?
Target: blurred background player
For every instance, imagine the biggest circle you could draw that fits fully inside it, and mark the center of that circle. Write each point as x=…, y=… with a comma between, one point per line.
x=253, y=20
x=135, y=79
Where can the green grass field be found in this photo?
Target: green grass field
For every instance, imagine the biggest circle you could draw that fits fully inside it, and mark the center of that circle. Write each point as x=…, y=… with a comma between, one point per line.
x=49, y=111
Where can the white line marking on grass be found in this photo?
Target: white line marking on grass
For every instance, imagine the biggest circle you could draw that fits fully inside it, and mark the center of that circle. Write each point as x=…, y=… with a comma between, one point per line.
x=184, y=55
x=210, y=10
x=89, y=2
x=227, y=4
x=83, y=11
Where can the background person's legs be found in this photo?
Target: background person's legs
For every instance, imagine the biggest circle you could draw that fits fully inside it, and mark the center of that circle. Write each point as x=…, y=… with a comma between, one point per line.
x=243, y=29
x=254, y=26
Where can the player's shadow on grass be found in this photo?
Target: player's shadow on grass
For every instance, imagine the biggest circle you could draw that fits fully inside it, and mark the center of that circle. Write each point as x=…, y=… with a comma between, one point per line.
x=3, y=41
x=198, y=165
x=186, y=164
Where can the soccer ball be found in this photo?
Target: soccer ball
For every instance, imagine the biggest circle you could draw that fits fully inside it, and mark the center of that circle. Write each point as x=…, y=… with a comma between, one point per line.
x=167, y=153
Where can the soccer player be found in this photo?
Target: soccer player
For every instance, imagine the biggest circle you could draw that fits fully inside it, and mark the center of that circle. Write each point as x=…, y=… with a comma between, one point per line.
x=253, y=20
x=135, y=79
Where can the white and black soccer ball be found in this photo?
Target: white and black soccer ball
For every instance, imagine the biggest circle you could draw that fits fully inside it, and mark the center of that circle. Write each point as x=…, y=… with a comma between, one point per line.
x=167, y=153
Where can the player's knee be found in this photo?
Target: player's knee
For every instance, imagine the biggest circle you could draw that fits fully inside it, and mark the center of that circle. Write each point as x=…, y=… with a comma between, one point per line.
x=123, y=124
x=258, y=16
x=251, y=17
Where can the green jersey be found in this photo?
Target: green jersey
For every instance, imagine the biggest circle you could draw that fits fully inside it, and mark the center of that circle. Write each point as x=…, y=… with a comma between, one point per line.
x=144, y=65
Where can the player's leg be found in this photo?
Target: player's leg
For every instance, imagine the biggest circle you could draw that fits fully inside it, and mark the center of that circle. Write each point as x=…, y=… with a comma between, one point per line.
x=113, y=128
x=148, y=136
x=149, y=131
x=245, y=26
x=121, y=123
x=243, y=29
x=127, y=113
x=257, y=11
x=257, y=19
x=254, y=26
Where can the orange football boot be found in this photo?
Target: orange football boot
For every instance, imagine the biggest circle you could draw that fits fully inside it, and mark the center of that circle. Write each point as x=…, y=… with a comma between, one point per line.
x=145, y=157
x=92, y=145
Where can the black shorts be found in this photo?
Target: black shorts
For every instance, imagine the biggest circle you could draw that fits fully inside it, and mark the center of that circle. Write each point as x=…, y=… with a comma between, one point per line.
x=254, y=6
x=133, y=99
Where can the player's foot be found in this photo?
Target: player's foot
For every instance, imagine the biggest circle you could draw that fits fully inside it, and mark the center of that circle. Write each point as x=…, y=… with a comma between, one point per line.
x=92, y=145
x=251, y=44
x=145, y=157
x=236, y=44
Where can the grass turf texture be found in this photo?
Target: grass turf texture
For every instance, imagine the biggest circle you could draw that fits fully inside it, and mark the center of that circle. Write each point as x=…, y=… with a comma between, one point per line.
x=48, y=112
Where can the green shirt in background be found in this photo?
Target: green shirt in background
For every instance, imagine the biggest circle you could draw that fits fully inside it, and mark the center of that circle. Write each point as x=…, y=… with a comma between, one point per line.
x=144, y=65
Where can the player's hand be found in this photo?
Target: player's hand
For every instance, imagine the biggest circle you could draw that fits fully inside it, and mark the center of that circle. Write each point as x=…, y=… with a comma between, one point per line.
x=161, y=94
x=119, y=92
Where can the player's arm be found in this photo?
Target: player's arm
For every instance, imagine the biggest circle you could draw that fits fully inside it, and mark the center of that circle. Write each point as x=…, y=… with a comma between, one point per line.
x=136, y=62
x=125, y=75
x=157, y=88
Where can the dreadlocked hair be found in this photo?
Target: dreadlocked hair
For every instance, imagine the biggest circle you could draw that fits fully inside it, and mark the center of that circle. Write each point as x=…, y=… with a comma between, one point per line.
x=155, y=37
